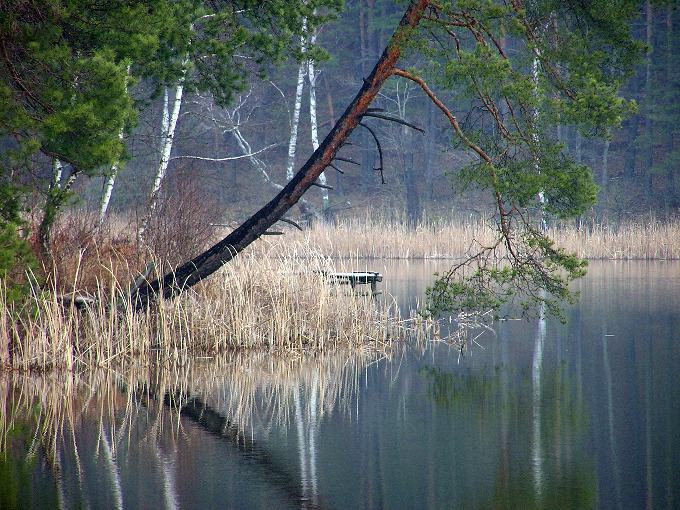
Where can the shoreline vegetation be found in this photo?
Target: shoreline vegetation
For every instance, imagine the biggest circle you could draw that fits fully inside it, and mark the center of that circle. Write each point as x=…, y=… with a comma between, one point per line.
x=273, y=303
x=272, y=298
x=452, y=239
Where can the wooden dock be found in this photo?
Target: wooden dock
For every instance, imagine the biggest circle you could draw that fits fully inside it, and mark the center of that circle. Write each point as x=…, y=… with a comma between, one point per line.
x=356, y=278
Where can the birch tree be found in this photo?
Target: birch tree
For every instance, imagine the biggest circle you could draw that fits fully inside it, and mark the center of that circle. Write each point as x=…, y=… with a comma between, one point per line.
x=110, y=177
x=311, y=77
x=168, y=127
x=231, y=121
x=297, y=107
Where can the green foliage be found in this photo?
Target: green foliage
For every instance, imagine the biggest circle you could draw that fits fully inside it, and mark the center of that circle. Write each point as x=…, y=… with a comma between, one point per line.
x=520, y=72
x=15, y=253
x=69, y=68
x=67, y=63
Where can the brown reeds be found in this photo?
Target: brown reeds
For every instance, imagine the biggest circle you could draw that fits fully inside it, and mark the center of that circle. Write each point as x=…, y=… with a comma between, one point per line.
x=279, y=303
x=451, y=239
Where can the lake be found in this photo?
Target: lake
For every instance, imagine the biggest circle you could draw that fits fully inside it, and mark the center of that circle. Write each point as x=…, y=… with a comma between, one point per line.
x=536, y=414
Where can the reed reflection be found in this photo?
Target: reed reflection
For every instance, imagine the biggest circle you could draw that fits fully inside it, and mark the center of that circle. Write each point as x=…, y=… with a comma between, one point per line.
x=75, y=432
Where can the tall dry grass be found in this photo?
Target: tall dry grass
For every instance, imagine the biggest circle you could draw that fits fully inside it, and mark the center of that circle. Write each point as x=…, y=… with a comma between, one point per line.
x=641, y=240
x=450, y=239
x=279, y=303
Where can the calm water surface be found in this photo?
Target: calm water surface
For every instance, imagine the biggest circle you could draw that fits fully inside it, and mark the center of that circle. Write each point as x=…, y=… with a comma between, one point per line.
x=539, y=415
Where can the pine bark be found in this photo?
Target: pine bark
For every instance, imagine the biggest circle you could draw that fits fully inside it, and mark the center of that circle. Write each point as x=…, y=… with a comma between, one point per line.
x=649, y=159
x=429, y=154
x=670, y=131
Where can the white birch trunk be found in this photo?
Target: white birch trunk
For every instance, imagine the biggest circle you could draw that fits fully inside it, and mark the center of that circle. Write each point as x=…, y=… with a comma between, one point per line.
x=57, y=170
x=535, y=137
x=311, y=77
x=106, y=196
x=295, y=121
x=111, y=178
x=169, y=124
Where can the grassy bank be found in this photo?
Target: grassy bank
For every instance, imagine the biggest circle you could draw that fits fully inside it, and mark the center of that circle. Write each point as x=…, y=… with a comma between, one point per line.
x=277, y=303
x=271, y=297
x=452, y=239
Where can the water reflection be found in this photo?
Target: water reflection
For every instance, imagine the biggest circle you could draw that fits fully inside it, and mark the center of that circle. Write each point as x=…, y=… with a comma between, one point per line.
x=88, y=440
x=541, y=415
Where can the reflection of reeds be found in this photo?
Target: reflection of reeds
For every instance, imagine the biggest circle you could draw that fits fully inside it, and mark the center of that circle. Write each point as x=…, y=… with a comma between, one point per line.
x=274, y=302
x=252, y=390
x=453, y=238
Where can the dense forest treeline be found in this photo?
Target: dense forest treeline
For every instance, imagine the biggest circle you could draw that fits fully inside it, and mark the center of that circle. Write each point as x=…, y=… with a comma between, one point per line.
x=636, y=169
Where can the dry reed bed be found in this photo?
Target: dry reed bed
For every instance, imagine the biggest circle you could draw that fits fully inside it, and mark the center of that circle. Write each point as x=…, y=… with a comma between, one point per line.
x=279, y=303
x=450, y=239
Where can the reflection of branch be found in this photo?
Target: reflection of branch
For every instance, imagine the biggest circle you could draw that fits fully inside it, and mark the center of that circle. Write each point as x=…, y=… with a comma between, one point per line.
x=213, y=422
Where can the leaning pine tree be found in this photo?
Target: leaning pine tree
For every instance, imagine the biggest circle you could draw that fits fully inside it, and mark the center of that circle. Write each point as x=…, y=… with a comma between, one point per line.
x=487, y=53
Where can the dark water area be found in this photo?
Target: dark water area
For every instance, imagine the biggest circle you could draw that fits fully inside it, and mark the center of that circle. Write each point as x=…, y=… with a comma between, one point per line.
x=540, y=415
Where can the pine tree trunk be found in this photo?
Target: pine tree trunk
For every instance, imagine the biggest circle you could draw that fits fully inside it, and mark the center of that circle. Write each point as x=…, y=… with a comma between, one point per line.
x=429, y=154
x=648, y=101
x=670, y=131
x=605, y=176
x=410, y=184
x=631, y=151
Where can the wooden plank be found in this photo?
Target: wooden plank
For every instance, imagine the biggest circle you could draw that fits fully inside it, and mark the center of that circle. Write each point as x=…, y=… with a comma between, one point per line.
x=355, y=278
